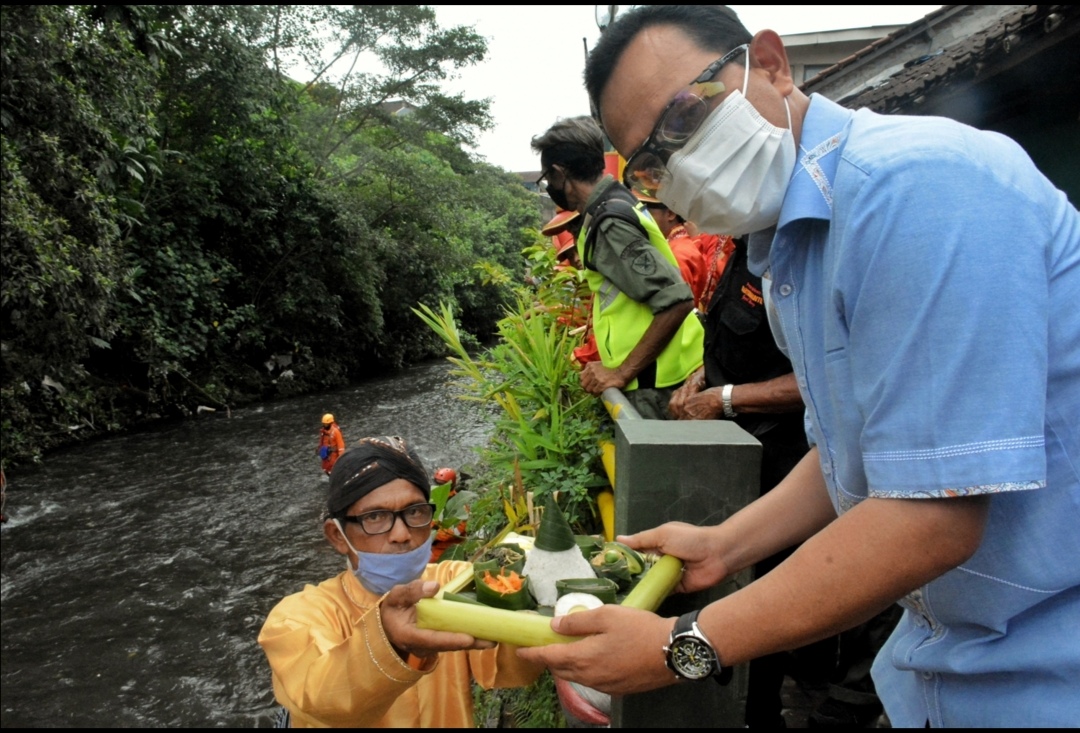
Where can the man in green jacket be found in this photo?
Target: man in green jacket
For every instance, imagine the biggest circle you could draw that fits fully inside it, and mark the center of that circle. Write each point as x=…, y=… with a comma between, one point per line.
x=649, y=339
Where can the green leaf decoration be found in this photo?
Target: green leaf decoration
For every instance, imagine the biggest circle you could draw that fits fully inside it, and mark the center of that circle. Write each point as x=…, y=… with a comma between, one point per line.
x=554, y=534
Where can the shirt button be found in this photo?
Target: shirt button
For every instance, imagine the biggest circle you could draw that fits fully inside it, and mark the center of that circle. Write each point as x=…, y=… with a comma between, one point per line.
x=802, y=382
x=928, y=675
x=785, y=289
x=826, y=469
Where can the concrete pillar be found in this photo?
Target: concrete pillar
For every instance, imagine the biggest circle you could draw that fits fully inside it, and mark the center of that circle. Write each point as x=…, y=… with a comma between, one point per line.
x=702, y=472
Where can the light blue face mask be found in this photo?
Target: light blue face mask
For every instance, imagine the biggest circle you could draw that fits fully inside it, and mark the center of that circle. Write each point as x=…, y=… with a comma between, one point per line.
x=379, y=572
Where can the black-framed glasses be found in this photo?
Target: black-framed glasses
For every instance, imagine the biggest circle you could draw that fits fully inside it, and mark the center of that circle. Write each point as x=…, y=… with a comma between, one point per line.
x=540, y=183
x=646, y=168
x=382, y=521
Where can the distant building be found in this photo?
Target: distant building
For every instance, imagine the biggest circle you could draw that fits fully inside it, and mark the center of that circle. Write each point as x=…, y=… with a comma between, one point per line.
x=811, y=53
x=1014, y=69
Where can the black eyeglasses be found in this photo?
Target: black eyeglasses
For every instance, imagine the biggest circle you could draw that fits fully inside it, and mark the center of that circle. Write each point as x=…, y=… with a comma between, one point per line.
x=646, y=168
x=382, y=521
x=540, y=181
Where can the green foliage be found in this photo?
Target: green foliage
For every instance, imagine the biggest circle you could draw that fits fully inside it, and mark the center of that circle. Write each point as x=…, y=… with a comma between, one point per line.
x=184, y=224
x=535, y=706
x=547, y=429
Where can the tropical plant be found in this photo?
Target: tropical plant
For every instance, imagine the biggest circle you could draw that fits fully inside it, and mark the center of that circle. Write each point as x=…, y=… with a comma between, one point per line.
x=184, y=224
x=547, y=429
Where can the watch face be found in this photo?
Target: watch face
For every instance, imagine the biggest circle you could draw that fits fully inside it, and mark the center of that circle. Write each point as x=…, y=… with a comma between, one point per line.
x=692, y=658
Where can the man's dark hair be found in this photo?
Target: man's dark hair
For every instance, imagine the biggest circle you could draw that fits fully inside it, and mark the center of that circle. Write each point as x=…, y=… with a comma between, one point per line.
x=712, y=27
x=576, y=144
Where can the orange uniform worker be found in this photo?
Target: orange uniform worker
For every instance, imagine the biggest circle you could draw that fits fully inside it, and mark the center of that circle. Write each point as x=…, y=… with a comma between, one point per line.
x=563, y=230
x=331, y=443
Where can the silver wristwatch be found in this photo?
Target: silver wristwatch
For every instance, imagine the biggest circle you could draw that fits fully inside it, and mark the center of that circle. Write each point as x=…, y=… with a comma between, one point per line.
x=690, y=655
x=725, y=397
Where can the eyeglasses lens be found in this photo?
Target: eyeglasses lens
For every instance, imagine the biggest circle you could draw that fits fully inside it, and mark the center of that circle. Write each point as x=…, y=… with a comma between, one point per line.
x=646, y=173
x=682, y=120
x=380, y=522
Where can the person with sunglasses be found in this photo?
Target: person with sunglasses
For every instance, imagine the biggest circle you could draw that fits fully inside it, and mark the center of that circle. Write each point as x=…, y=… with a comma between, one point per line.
x=648, y=338
x=924, y=276
x=347, y=652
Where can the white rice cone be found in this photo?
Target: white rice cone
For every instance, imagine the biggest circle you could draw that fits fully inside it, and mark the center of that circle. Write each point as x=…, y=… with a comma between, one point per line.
x=544, y=567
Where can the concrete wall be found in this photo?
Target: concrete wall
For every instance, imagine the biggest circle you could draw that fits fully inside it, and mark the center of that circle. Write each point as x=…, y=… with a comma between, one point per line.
x=700, y=472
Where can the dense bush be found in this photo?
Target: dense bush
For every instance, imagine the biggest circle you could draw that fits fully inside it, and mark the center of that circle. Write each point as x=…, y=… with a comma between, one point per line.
x=182, y=223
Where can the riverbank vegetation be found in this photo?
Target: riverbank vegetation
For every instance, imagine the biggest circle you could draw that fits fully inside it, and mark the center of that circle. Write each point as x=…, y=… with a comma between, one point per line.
x=546, y=439
x=204, y=206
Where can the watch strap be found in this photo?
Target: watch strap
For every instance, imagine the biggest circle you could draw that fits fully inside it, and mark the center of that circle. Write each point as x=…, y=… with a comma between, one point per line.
x=725, y=398
x=687, y=623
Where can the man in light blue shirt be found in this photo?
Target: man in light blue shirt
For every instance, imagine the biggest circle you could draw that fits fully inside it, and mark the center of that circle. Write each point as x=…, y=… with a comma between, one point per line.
x=926, y=281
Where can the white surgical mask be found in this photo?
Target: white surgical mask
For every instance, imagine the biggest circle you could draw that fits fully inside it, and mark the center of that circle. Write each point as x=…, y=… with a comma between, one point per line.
x=731, y=176
x=379, y=572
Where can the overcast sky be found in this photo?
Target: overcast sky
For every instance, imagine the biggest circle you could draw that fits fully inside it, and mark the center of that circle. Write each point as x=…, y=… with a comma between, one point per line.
x=535, y=57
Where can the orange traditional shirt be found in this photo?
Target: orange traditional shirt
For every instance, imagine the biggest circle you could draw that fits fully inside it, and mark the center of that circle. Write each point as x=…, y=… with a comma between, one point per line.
x=333, y=666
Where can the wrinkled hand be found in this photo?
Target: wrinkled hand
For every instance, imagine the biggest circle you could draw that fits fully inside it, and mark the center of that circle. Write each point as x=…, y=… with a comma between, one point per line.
x=693, y=385
x=623, y=651
x=707, y=405
x=398, y=613
x=595, y=378
x=697, y=547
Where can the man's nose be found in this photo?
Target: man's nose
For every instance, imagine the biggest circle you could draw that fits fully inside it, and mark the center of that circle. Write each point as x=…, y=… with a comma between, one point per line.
x=399, y=531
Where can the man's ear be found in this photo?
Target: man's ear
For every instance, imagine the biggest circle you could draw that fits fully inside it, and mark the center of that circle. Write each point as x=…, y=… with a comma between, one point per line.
x=767, y=53
x=335, y=538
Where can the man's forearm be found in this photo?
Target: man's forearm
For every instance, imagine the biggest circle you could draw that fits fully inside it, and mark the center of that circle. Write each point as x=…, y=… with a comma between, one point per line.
x=796, y=509
x=663, y=328
x=773, y=395
x=858, y=565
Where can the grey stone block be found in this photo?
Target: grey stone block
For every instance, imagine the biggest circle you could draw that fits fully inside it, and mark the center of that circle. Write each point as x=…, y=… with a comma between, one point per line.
x=700, y=472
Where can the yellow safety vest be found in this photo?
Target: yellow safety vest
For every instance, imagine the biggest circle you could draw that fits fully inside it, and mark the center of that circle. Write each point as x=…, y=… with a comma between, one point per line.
x=619, y=321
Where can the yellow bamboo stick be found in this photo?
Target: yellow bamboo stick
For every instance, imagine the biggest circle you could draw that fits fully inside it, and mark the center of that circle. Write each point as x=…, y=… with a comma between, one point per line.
x=457, y=583
x=658, y=582
x=494, y=624
x=605, y=501
x=530, y=629
x=607, y=457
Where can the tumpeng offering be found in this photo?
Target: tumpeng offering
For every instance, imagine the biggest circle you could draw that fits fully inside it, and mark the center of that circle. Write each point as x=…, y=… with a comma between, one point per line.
x=510, y=595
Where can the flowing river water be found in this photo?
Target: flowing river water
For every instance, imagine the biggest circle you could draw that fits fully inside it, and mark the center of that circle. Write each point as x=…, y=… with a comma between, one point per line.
x=137, y=570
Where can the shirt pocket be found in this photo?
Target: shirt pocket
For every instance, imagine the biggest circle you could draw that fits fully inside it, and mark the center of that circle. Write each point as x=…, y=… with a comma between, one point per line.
x=739, y=355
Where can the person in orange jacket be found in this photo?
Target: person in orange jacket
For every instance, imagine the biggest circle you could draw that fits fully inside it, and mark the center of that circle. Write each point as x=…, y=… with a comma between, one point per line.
x=563, y=230
x=447, y=538
x=688, y=254
x=331, y=443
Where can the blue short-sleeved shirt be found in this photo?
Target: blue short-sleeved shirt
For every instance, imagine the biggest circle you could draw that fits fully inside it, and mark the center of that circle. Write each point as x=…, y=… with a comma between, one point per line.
x=927, y=281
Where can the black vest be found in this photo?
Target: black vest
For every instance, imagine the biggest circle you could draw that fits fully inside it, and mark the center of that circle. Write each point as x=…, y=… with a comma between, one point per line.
x=739, y=345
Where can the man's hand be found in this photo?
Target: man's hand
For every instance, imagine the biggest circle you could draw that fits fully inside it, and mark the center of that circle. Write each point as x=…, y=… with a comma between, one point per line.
x=697, y=547
x=623, y=651
x=693, y=384
x=595, y=378
x=706, y=405
x=398, y=613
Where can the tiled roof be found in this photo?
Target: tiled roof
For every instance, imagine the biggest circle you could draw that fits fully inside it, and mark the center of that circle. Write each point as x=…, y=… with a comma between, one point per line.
x=1011, y=38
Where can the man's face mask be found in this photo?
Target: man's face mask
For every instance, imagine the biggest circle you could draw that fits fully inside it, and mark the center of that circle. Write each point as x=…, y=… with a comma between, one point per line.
x=379, y=572
x=732, y=175
x=558, y=193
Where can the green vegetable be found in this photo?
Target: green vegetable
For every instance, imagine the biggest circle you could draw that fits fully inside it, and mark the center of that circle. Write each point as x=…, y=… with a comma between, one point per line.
x=656, y=584
x=602, y=588
x=619, y=563
x=481, y=622
x=515, y=600
x=461, y=598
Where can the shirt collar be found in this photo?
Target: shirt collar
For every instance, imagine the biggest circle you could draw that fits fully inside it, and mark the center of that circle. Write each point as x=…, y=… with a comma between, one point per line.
x=809, y=194
x=603, y=185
